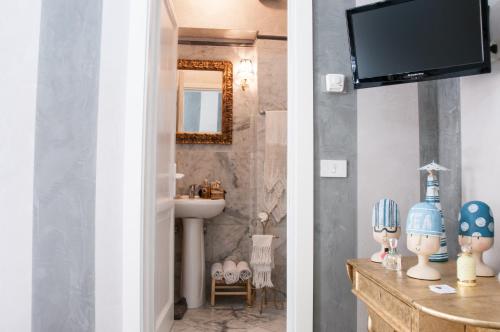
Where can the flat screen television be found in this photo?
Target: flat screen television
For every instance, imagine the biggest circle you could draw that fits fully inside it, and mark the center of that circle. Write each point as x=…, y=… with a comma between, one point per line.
x=402, y=41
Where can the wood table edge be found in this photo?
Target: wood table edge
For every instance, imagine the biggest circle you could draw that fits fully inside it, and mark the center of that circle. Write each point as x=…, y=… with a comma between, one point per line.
x=351, y=266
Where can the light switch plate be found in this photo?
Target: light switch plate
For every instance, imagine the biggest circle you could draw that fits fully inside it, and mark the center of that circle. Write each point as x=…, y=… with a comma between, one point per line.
x=333, y=168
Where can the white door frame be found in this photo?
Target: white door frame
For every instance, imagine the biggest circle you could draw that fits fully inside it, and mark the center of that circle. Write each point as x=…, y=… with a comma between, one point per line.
x=134, y=162
x=300, y=172
x=300, y=220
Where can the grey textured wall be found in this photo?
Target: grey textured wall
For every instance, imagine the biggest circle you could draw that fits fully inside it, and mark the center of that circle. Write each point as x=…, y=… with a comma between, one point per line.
x=428, y=116
x=335, y=199
x=450, y=155
x=65, y=163
x=440, y=140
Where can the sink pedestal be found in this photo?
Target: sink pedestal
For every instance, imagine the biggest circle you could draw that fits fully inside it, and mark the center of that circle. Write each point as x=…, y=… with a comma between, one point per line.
x=193, y=212
x=193, y=262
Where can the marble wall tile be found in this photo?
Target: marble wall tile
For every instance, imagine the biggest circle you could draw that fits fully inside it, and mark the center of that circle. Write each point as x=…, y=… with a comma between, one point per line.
x=226, y=241
x=273, y=81
x=272, y=77
x=234, y=169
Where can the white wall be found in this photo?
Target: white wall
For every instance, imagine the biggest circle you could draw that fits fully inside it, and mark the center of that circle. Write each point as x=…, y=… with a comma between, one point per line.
x=480, y=98
x=480, y=102
x=388, y=159
x=388, y=156
x=268, y=16
x=19, y=35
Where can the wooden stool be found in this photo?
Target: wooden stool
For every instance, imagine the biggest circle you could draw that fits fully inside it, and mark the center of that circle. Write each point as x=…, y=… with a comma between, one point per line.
x=242, y=288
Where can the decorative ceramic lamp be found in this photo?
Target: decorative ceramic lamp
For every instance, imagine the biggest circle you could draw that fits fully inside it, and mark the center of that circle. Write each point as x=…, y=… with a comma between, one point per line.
x=432, y=196
x=477, y=228
x=423, y=228
x=386, y=225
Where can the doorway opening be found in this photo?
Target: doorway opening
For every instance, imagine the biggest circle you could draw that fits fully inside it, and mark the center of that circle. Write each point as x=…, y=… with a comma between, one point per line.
x=150, y=146
x=231, y=157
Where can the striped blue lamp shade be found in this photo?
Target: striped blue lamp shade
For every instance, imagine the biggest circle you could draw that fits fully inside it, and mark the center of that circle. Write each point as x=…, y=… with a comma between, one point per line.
x=432, y=197
x=476, y=219
x=424, y=219
x=385, y=215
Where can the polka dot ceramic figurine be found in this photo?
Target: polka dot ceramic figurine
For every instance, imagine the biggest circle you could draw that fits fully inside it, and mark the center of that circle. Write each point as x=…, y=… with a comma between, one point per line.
x=386, y=225
x=423, y=228
x=476, y=228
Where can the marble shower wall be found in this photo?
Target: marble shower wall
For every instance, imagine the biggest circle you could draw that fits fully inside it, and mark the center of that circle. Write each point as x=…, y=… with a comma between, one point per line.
x=239, y=166
x=272, y=78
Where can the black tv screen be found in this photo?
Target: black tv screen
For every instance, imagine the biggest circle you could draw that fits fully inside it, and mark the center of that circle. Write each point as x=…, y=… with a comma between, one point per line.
x=400, y=41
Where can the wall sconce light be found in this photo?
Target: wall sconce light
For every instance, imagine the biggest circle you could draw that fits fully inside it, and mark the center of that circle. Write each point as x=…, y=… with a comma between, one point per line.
x=245, y=73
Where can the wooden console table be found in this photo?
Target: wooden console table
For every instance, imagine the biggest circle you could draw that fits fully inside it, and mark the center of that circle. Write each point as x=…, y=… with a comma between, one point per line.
x=398, y=303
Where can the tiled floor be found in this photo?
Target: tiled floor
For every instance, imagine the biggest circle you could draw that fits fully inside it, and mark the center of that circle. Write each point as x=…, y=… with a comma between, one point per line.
x=232, y=317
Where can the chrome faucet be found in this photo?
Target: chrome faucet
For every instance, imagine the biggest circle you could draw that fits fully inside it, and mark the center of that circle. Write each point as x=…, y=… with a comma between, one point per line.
x=193, y=191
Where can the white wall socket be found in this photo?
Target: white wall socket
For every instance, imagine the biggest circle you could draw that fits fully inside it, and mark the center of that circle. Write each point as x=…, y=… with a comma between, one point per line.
x=333, y=168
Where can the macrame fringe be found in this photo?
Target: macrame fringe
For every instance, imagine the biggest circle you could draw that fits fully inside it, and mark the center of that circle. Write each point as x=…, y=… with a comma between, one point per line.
x=261, y=256
x=262, y=279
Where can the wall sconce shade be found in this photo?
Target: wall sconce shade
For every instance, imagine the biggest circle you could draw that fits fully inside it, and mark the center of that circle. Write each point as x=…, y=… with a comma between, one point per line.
x=245, y=73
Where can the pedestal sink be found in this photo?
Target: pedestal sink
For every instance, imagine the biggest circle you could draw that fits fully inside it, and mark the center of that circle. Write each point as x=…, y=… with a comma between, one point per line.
x=192, y=212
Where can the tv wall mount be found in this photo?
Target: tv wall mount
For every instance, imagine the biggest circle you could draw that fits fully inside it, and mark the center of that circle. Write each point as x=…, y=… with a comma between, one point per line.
x=494, y=48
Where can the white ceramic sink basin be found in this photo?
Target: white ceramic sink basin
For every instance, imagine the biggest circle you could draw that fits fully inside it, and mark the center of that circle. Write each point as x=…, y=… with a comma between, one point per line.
x=198, y=208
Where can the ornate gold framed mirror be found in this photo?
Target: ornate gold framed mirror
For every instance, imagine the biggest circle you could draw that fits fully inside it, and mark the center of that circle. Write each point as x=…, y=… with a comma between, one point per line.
x=204, y=102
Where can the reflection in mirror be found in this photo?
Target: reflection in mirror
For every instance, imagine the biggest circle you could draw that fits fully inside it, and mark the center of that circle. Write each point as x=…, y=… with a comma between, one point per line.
x=200, y=101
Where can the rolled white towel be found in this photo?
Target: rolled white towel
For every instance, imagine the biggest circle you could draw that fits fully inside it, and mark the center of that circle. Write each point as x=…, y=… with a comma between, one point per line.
x=217, y=271
x=244, y=270
x=231, y=274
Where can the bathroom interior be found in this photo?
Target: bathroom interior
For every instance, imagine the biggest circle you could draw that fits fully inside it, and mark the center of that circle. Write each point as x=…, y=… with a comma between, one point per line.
x=230, y=161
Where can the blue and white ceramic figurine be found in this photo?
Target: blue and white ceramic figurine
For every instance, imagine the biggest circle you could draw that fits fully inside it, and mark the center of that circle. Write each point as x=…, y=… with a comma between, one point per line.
x=423, y=229
x=432, y=196
x=386, y=225
x=477, y=229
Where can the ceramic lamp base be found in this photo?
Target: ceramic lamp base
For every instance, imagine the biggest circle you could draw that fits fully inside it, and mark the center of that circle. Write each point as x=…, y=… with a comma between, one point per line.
x=423, y=270
x=482, y=270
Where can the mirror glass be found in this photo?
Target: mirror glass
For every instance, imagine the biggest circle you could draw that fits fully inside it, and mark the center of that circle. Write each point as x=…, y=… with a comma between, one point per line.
x=200, y=101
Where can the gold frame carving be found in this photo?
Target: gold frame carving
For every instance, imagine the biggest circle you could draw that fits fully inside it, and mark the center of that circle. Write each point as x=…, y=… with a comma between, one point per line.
x=226, y=136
